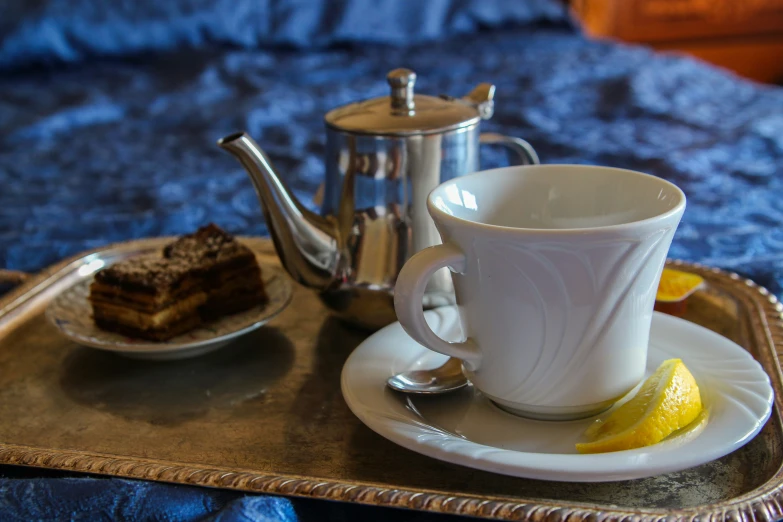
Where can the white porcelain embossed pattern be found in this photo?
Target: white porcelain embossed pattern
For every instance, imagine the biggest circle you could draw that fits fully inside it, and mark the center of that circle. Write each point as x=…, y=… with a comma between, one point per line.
x=555, y=269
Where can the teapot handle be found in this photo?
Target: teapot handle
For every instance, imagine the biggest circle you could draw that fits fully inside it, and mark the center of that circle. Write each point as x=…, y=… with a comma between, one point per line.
x=525, y=151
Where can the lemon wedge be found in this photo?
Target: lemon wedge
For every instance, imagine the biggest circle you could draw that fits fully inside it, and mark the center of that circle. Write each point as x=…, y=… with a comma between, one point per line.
x=676, y=285
x=667, y=401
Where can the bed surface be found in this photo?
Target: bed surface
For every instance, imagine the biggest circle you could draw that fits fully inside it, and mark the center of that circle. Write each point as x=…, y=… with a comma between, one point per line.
x=116, y=149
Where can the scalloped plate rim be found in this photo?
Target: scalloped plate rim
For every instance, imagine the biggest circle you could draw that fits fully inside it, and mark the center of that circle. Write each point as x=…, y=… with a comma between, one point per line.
x=271, y=274
x=409, y=431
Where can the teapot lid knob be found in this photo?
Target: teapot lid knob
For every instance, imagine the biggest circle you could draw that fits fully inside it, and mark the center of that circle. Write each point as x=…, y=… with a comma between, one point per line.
x=401, y=82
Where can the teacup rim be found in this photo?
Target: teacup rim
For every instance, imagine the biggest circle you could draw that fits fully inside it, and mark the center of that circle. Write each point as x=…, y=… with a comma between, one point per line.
x=444, y=216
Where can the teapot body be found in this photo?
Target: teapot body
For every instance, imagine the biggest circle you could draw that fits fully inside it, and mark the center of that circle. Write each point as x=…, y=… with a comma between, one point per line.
x=383, y=158
x=376, y=187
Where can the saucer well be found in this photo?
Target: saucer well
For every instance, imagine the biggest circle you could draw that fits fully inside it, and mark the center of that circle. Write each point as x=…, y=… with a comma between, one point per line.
x=71, y=314
x=466, y=428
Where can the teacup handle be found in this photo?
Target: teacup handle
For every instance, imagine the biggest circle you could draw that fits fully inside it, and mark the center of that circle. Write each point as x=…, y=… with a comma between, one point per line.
x=409, y=292
x=525, y=151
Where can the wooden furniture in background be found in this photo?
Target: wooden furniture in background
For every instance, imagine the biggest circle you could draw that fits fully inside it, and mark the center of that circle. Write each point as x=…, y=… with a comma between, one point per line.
x=745, y=36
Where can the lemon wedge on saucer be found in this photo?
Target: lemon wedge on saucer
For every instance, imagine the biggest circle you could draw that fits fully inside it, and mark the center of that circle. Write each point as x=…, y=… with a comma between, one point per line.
x=668, y=401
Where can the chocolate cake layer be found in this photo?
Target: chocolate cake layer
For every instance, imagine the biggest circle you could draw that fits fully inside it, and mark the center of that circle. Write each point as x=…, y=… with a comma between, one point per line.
x=147, y=274
x=231, y=303
x=162, y=334
x=250, y=275
x=141, y=301
x=145, y=320
x=208, y=247
x=201, y=277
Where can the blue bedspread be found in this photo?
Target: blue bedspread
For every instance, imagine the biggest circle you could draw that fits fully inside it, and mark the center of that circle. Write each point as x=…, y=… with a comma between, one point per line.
x=114, y=148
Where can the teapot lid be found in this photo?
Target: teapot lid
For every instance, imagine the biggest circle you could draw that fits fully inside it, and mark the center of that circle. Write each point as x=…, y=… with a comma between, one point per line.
x=405, y=113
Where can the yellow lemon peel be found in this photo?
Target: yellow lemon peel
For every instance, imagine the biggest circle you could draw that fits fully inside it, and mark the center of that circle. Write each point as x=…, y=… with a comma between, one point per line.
x=676, y=285
x=668, y=401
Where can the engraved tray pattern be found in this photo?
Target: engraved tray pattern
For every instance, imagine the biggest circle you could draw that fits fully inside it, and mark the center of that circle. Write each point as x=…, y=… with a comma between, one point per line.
x=266, y=415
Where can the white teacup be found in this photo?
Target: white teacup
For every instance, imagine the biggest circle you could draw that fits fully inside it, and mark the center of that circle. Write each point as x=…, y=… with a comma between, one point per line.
x=555, y=269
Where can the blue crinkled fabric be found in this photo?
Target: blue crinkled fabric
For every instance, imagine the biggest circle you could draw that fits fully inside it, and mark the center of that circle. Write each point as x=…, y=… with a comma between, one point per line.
x=114, y=499
x=51, y=31
x=114, y=150
x=97, y=500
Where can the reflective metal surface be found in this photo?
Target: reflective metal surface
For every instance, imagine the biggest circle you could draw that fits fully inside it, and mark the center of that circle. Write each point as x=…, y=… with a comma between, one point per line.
x=404, y=112
x=402, y=99
x=383, y=157
x=443, y=379
x=305, y=242
x=266, y=415
x=390, y=178
x=519, y=150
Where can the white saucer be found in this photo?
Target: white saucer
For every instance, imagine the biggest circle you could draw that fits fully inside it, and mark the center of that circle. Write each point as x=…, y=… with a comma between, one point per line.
x=71, y=314
x=465, y=428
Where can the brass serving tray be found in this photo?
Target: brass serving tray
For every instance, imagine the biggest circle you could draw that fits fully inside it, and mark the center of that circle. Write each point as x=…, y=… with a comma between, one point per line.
x=266, y=415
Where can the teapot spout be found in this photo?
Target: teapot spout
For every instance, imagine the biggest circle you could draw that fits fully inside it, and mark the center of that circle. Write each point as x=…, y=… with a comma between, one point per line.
x=305, y=242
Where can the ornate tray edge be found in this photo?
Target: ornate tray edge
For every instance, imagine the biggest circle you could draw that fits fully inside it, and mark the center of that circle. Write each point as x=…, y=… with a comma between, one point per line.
x=764, y=503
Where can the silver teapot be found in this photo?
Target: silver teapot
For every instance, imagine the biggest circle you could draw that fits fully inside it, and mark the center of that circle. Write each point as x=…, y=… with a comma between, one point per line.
x=383, y=157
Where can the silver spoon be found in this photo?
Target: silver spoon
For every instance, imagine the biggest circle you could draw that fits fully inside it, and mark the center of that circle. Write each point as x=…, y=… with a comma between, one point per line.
x=443, y=379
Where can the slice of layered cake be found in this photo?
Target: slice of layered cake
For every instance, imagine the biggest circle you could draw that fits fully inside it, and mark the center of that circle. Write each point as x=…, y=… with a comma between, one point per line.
x=200, y=277
x=147, y=297
x=228, y=270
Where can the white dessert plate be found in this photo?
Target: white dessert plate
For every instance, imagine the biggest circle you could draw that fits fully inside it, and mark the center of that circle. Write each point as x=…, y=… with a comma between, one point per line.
x=465, y=428
x=71, y=313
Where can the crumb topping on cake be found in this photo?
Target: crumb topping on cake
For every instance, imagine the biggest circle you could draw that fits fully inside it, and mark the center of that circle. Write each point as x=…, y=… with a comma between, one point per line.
x=146, y=271
x=209, y=243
